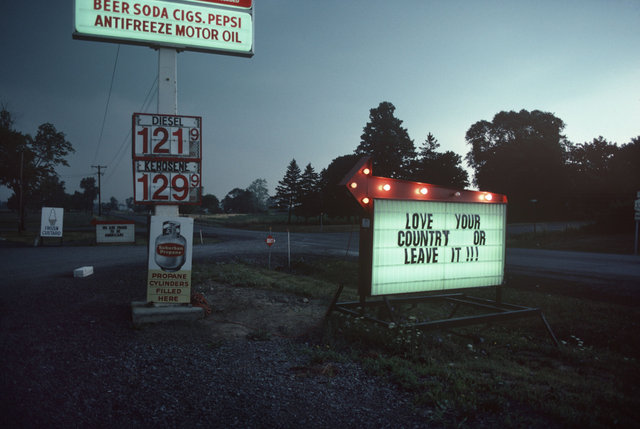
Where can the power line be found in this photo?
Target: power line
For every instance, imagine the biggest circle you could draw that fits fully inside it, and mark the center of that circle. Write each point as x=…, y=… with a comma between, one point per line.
x=115, y=161
x=106, y=108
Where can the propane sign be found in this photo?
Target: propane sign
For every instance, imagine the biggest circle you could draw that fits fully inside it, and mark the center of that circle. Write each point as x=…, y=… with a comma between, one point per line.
x=206, y=26
x=167, y=154
x=170, y=254
x=430, y=245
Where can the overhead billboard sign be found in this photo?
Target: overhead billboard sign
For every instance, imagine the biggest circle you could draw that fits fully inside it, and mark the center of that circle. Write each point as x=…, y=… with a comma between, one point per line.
x=419, y=237
x=202, y=27
x=167, y=158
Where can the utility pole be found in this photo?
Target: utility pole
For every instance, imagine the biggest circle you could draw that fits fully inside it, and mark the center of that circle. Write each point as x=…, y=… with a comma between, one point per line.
x=99, y=167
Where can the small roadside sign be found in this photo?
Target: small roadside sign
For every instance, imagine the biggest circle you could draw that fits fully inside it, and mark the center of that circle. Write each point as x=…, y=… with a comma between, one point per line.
x=51, y=222
x=270, y=240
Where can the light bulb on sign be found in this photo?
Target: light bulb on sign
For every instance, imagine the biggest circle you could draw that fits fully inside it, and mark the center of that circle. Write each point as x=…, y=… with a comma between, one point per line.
x=354, y=185
x=366, y=171
x=386, y=187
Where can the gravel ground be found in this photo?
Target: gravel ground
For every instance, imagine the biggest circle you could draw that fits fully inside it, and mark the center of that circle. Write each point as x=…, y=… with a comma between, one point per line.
x=71, y=358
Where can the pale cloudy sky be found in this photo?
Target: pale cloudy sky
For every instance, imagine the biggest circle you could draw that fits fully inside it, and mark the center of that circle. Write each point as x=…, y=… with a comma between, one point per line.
x=319, y=66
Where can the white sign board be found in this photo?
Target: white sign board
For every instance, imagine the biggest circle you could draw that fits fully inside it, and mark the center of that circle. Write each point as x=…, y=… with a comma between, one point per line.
x=423, y=246
x=115, y=232
x=51, y=222
x=170, y=255
x=197, y=27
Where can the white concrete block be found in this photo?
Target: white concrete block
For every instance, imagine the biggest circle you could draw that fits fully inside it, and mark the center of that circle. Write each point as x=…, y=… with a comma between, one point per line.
x=83, y=271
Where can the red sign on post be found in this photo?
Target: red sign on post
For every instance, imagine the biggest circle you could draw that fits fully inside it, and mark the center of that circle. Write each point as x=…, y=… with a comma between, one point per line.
x=270, y=240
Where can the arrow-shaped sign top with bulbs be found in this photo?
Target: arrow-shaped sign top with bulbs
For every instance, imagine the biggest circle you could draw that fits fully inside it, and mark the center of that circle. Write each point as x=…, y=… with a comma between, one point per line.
x=366, y=187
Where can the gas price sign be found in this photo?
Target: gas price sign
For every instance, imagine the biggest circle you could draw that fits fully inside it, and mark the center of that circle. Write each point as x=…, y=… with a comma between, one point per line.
x=435, y=245
x=167, y=158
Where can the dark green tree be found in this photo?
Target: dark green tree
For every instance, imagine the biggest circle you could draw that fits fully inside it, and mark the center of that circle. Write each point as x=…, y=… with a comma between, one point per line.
x=239, y=201
x=50, y=192
x=387, y=142
x=50, y=148
x=337, y=201
x=626, y=167
x=27, y=165
x=260, y=193
x=288, y=189
x=310, y=202
x=90, y=192
x=604, y=179
x=523, y=155
x=439, y=168
x=16, y=164
x=113, y=203
x=210, y=203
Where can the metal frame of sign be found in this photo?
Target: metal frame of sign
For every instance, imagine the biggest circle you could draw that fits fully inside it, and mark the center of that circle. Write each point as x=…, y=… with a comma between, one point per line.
x=172, y=166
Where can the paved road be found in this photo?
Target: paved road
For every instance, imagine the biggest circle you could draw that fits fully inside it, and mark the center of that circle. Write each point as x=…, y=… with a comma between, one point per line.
x=581, y=267
x=53, y=261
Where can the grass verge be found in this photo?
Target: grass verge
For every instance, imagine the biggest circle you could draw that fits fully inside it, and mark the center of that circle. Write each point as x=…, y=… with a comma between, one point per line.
x=496, y=375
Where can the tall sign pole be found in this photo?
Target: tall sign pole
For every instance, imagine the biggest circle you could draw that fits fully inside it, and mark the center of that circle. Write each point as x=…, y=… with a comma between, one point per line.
x=166, y=147
x=167, y=103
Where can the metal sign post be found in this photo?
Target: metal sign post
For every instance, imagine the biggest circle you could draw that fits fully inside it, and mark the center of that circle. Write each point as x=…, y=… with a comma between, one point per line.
x=167, y=103
x=270, y=241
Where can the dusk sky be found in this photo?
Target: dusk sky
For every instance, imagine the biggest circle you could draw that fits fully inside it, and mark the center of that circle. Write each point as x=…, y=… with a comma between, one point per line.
x=318, y=68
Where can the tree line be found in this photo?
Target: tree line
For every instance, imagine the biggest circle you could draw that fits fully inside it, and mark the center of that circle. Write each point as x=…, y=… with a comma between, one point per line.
x=524, y=155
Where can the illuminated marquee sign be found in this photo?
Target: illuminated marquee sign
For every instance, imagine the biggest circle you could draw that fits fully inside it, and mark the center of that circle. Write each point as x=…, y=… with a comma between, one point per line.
x=420, y=237
x=431, y=245
x=167, y=158
x=185, y=26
